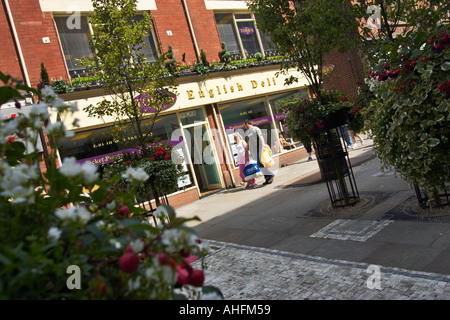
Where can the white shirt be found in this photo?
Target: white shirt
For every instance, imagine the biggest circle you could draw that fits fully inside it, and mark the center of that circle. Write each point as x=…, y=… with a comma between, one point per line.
x=253, y=139
x=241, y=152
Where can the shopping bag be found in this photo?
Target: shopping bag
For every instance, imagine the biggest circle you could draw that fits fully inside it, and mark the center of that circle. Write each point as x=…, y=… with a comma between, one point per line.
x=251, y=170
x=266, y=158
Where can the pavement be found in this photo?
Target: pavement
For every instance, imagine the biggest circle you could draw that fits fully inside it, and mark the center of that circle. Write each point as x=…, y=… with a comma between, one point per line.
x=284, y=241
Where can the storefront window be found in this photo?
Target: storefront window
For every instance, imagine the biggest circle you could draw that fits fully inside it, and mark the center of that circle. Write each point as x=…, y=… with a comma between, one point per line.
x=279, y=102
x=95, y=145
x=99, y=146
x=192, y=116
x=256, y=110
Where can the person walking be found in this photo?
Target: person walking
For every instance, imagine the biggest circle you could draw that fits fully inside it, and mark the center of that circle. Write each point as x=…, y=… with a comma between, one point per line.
x=242, y=158
x=343, y=131
x=308, y=148
x=255, y=145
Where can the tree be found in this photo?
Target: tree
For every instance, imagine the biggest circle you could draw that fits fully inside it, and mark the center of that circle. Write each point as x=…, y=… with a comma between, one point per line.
x=124, y=72
x=407, y=90
x=386, y=25
x=306, y=31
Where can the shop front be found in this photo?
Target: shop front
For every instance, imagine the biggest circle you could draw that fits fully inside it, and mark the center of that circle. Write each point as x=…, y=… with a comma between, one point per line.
x=199, y=126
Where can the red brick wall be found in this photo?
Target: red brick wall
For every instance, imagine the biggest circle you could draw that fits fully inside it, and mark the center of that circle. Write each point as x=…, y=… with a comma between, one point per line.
x=205, y=29
x=180, y=199
x=348, y=71
x=32, y=25
x=9, y=61
x=171, y=16
x=183, y=198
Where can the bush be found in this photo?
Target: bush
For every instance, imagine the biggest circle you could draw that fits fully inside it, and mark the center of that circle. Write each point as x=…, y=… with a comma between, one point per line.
x=410, y=115
x=66, y=235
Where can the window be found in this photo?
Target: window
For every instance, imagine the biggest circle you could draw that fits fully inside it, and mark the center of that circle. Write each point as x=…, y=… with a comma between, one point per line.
x=234, y=114
x=279, y=102
x=149, y=51
x=74, y=42
x=97, y=143
x=241, y=36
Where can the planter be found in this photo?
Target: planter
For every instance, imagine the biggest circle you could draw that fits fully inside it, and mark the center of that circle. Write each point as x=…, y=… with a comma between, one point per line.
x=336, y=168
x=334, y=120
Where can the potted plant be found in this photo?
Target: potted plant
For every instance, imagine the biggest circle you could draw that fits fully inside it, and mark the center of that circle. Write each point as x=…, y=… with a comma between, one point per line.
x=313, y=117
x=317, y=121
x=162, y=173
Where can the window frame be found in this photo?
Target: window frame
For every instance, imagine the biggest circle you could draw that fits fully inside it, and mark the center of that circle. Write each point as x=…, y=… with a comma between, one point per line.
x=236, y=30
x=73, y=73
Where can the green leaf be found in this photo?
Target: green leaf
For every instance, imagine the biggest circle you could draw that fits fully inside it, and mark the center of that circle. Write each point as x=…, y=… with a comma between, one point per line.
x=443, y=106
x=434, y=142
x=445, y=66
x=127, y=223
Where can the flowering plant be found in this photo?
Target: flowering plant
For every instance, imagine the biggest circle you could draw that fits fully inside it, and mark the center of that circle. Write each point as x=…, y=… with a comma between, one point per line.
x=64, y=234
x=409, y=114
x=313, y=117
x=158, y=173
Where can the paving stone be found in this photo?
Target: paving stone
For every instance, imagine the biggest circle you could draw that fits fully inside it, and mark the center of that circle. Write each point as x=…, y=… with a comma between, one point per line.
x=251, y=273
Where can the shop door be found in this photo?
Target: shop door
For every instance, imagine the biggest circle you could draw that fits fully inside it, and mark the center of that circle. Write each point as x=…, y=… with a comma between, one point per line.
x=202, y=157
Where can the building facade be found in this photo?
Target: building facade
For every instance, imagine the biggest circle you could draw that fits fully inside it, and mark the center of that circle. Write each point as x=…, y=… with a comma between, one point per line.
x=207, y=111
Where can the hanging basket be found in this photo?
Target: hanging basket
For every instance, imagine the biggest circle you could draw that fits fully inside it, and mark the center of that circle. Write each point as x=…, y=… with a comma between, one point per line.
x=334, y=120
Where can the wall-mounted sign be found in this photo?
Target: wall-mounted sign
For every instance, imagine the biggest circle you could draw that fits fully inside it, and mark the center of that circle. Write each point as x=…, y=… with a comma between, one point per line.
x=326, y=69
x=246, y=30
x=161, y=101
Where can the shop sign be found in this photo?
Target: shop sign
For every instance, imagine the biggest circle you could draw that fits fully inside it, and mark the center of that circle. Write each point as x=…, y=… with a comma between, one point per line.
x=230, y=89
x=145, y=101
x=246, y=30
x=327, y=69
x=111, y=157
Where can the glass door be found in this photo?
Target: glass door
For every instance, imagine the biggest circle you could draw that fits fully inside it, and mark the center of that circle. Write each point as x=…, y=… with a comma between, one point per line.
x=202, y=157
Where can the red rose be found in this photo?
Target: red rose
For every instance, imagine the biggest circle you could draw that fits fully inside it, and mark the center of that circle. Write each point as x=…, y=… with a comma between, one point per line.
x=123, y=210
x=167, y=157
x=129, y=262
x=196, y=278
x=162, y=258
x=437, y=48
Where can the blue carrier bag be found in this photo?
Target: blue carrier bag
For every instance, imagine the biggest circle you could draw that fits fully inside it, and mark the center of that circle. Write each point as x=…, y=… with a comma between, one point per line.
x=251, y=170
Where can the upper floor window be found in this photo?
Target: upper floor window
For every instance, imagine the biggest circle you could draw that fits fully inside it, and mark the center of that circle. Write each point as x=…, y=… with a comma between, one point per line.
x=75, y=42
x=241, y=36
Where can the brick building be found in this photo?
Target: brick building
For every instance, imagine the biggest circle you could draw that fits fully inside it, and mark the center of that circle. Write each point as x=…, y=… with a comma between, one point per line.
x=57, y=32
